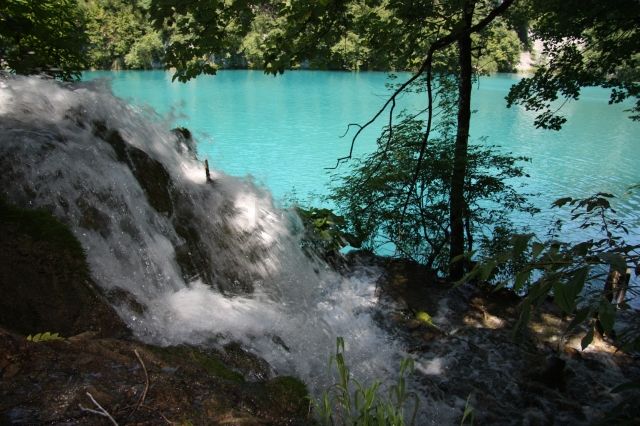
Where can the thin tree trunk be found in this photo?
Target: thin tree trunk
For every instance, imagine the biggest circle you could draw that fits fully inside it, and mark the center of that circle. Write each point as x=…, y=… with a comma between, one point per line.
x=467, y=228
x=457, y=203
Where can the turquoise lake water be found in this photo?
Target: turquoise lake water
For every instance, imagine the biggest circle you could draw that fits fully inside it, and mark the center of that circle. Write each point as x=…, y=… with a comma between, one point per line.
x=285, y=131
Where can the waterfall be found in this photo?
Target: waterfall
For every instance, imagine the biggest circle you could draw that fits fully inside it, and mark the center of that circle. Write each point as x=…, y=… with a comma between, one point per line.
x=182, y=259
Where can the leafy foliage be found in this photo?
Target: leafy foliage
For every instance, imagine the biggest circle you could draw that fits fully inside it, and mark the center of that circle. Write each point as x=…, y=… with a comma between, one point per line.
x=468, y=417
x=381, y=203
x=579, y=275
x=145, y=52
x=587, y=43
x=348, y=402
x=197, y=30
x=324, y=232
x=45, y=36
x=500, y=48
x=120, y=34
x=277, y=35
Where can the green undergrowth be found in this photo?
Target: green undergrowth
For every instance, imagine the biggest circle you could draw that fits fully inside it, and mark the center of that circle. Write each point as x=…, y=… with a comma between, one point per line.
x=350, y=402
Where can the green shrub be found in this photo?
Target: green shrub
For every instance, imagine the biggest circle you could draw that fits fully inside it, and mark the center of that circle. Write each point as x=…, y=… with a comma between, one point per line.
x=580, y=276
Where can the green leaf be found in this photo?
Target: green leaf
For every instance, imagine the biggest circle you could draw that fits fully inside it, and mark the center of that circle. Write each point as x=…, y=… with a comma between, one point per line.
x=565, y=295
x=615, y=260
x=607, y=315
x=587, y=339
x=44, y=337
x=536, y=249
x=426, y=319
x=580, y=317
x=582, y=249
x=562, y=297
x=486, y=269
x=468, y=412
x=520, y=243
x=523, y=319
x=521, y=279
x=540, y=290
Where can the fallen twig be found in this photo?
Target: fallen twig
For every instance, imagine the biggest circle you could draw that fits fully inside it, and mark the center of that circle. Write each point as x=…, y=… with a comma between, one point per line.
x=146, y=384
x=100, y=412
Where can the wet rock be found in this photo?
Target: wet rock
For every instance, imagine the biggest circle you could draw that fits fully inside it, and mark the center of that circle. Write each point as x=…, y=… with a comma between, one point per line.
x=119, y=296
x=92, y=218
x=151, y=174
x=185, y=141
x=44, y=279
x=182, y=132
x=192, y=256
x=414, y=324
x=153, y=178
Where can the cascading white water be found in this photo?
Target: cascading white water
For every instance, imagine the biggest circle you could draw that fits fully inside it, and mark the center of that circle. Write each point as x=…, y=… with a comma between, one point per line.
x=263, y=291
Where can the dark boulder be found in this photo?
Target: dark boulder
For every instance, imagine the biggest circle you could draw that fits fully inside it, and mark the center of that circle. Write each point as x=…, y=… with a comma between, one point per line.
x=150, y=173
x=44, y=279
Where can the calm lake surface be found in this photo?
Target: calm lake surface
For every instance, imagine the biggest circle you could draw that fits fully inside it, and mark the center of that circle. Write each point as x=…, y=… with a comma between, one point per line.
x=285, y=131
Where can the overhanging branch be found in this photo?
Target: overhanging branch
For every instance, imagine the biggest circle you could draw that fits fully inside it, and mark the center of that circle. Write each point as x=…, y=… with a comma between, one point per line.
x=440, y=43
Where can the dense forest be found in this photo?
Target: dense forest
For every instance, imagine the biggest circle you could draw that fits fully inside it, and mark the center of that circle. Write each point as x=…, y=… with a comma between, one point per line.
x=121, y=35
x=136, y=244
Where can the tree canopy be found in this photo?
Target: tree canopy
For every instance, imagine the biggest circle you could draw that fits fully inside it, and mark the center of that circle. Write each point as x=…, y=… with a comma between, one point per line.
x=46, y=36
x=586, y=43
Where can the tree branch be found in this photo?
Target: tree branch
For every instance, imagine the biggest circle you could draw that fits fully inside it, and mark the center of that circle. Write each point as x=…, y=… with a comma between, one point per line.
x=436, y=45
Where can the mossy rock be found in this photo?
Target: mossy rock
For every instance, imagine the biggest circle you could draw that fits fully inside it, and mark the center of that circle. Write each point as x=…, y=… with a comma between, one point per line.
x=208, y=360
x=282, y=398
x=252, y=367
x=289, y=393
x=45, y=382
x=44, y=278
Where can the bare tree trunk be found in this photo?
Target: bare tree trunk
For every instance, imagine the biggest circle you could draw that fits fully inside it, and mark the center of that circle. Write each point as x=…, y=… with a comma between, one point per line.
x=457, y=203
